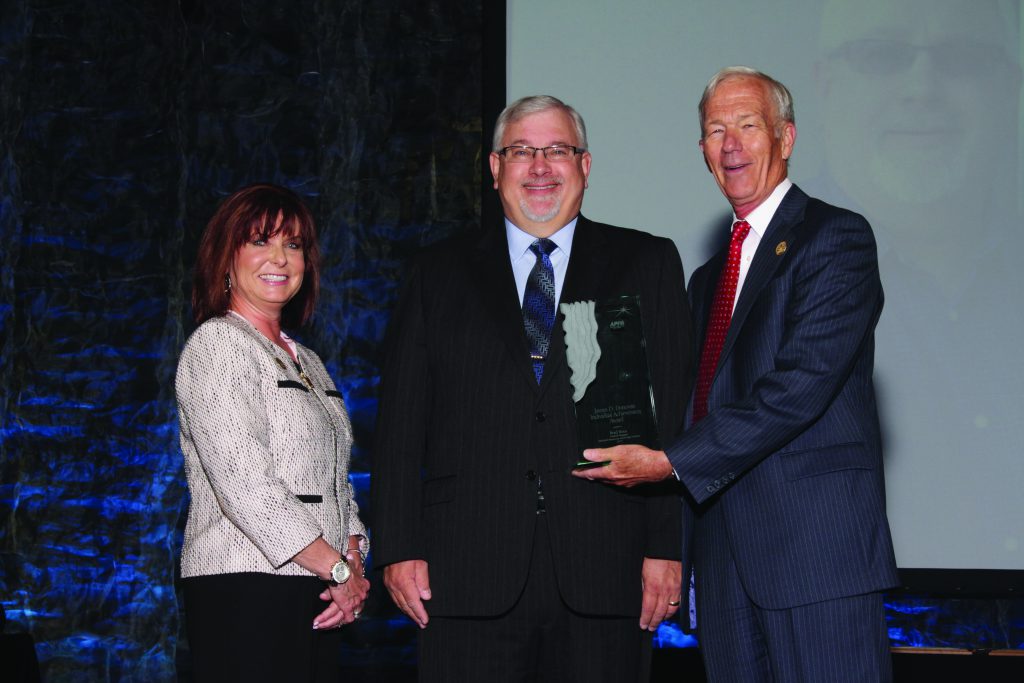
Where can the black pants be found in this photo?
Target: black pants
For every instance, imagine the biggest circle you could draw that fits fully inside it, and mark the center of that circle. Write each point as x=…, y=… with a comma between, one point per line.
x=258, y=627
x=539, y=640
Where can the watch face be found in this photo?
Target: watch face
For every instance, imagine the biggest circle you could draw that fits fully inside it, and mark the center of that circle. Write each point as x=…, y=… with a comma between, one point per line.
x=340, y=572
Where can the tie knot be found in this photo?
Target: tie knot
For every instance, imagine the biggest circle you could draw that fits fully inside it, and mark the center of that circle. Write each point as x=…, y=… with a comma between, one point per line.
x=543, y=246
x=740, y=230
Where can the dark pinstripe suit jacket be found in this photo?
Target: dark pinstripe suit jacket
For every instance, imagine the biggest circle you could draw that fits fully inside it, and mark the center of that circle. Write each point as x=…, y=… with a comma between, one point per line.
x=790, y=451
x=464, y=429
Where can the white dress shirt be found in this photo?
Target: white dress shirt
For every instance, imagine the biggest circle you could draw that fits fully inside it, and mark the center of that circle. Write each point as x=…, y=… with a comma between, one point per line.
x=523, y=259
x=759, y=219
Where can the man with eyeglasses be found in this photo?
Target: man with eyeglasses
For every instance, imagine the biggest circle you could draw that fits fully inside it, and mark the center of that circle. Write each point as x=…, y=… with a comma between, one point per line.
x=789, y=539
x=514, y=569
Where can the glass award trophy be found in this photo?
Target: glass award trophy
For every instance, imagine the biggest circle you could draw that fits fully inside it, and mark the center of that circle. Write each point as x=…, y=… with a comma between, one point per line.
x=606, y=352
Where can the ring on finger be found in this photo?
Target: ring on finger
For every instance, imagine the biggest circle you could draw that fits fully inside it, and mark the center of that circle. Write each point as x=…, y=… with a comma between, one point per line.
x=673, y=603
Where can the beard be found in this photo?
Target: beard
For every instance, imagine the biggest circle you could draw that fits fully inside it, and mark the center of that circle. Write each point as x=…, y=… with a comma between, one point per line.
x=540, y=217
x=551, y=212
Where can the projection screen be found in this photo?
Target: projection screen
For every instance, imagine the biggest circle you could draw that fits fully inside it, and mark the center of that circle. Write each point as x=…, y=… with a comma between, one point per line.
x=908, y=111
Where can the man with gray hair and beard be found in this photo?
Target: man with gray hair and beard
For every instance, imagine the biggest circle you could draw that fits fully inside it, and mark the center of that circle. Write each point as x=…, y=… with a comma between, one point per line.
x=514, y=569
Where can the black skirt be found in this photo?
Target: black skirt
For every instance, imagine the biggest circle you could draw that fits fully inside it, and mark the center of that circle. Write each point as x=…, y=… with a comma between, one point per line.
x=259, y=627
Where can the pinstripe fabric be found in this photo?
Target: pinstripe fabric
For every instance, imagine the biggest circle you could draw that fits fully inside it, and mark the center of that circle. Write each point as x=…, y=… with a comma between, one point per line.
x=789, y=459
x=565, y=648
x=254, y=438
x=464, y=429
x=843, y=640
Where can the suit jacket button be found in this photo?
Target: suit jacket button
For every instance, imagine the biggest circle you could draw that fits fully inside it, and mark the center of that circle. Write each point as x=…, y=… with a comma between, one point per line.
x=541, y=416
x=711, y=488
x=530, y=475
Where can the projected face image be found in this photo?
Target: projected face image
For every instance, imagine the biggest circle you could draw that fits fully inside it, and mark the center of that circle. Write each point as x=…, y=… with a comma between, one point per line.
x=920, y=100
x=919, y=109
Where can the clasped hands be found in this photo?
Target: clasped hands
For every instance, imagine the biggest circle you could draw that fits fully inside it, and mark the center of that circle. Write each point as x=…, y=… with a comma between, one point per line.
x=346, y=599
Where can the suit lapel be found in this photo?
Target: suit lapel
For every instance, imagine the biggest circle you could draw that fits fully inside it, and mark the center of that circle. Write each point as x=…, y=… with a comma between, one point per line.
x=493, y=270
x=766, y=259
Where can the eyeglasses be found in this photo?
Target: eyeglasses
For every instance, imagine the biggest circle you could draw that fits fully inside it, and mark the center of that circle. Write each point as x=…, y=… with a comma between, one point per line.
x=954, y=60
x=524, y=154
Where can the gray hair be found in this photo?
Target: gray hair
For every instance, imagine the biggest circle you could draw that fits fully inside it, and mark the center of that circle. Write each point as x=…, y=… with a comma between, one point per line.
x=778, y=93
x=535, y=104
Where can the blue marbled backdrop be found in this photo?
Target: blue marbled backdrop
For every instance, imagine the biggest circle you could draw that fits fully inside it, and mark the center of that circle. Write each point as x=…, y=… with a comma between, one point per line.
x=122, y=124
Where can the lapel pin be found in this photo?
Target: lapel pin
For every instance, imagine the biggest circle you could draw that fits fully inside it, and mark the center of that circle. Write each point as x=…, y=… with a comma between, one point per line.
x=780, y=248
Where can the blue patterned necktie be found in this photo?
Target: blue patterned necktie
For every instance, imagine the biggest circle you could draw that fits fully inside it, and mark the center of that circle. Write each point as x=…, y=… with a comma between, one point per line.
x=539, y=304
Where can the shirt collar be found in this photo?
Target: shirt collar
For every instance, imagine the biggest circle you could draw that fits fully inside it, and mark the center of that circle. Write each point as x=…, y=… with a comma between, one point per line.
x=760, y=217
x=519, y=241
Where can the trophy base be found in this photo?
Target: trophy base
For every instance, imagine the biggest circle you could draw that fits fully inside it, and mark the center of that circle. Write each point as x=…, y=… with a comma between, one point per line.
x=590, y=464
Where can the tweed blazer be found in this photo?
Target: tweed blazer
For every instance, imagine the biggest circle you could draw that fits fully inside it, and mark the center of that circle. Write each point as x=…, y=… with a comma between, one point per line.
x=266, y=455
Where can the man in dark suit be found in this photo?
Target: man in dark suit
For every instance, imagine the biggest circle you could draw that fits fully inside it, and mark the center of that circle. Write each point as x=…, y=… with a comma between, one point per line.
x=515, y=570
x=782, y=456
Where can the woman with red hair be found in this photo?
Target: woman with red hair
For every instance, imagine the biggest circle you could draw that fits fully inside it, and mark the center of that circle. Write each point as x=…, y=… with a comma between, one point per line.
x=272, y=561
